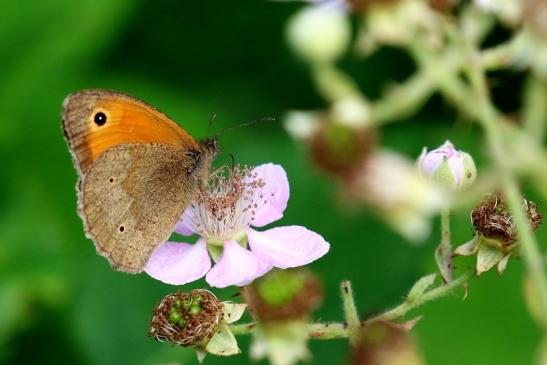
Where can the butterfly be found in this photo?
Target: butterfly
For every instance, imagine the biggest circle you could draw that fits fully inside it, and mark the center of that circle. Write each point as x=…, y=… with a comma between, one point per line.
x=138, y=171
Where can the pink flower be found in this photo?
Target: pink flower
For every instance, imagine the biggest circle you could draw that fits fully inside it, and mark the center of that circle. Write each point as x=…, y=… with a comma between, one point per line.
x=223, y=216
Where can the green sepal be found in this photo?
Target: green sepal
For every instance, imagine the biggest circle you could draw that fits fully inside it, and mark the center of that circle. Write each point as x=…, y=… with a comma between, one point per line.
x=223, y=342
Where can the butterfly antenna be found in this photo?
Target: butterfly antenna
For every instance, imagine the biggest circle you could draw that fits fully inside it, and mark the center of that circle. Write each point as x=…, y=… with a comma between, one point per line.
x=233, y=160
x=259, y=120
x=211, y=121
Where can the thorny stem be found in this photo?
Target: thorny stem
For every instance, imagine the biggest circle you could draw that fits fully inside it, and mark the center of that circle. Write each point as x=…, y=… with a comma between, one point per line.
x=326, y=331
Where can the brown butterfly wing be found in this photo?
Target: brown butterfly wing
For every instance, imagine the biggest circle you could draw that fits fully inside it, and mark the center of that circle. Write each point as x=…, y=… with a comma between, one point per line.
x=133, y=195
x=126, y=120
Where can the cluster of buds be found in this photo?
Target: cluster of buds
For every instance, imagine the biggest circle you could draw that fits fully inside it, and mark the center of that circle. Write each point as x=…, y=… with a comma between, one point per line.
x=496, y=236
x=196, y=319
x=281, y=303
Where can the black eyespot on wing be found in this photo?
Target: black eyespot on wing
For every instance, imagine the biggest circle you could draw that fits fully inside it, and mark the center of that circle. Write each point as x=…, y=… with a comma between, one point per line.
x=111, y=180
x=122, y=228
x=100, y=118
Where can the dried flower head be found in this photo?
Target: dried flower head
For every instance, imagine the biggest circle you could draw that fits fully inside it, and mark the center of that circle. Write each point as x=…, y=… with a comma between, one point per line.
x=492, y=219
x=283, y=295
x=186, y=319
x=496, y=236
x=385, y=343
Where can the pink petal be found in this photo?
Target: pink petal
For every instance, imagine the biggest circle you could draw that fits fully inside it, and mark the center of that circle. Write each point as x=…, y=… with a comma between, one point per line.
x=288, y=246
x=456, y=166
x=430, y=161
x=182, y=226
x=237, y=266
x=275, y=193
x=182, y=229
x=179, y=263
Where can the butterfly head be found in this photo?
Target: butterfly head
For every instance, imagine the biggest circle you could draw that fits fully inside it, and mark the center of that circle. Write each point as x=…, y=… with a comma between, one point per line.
x=210, y=147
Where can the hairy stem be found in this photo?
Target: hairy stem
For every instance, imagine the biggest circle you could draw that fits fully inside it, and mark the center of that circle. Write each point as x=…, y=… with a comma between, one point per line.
x=432, y=294
x=350, y=310
x=443, y=253
x=348, y=329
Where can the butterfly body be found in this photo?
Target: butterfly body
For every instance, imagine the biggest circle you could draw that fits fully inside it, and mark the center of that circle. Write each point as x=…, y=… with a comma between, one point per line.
x=138, y=171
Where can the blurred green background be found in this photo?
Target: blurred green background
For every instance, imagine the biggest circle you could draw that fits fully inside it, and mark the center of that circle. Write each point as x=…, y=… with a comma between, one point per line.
x=60, y=303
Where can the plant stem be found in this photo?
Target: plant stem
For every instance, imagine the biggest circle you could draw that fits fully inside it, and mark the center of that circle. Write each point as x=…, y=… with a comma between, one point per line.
x=326, y=331
x=350, y=311
x=532, y=255
x=443, y=253
x=488, y=117
x=535, y=109
x=432, y=294
x=404, y=99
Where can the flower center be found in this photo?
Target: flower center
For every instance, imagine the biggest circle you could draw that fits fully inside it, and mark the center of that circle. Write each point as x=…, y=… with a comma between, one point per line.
x=227, y=206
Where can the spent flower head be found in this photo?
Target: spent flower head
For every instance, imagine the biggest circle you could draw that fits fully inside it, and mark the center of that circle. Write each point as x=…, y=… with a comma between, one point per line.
x=186, y=319
x=452, y=169
x=496, y=235
x=197, y=319
x=223, y=215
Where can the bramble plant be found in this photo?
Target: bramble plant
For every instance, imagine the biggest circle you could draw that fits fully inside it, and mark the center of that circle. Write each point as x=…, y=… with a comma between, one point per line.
x=446, y=42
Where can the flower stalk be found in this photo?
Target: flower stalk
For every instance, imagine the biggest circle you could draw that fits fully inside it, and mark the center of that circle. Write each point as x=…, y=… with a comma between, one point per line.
x=443, y=253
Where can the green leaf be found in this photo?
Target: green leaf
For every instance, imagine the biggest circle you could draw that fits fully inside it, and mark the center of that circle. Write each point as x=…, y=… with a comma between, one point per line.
x=420, y=287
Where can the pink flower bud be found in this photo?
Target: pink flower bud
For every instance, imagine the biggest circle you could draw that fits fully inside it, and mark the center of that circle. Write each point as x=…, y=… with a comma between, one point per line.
x=452, y=169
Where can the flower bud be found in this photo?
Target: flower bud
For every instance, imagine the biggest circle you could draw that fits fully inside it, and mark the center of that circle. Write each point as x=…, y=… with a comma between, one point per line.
x=319, y=34
x=301, y=125
x=451, y=169
x=283, y=295
x=396, y=23
x=186, y=319
x=385, y=343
